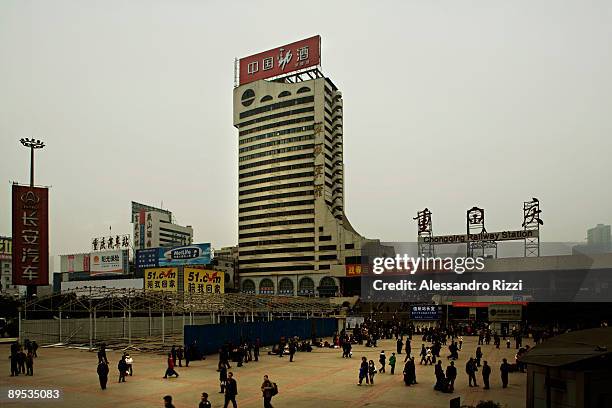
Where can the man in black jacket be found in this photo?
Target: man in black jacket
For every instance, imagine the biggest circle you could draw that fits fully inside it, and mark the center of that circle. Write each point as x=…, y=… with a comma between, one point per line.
x=451, y=375
x=486, y=372
x=231, y=390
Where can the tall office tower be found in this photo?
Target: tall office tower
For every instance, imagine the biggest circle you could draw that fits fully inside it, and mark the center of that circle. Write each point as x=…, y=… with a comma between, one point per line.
x=294, y=237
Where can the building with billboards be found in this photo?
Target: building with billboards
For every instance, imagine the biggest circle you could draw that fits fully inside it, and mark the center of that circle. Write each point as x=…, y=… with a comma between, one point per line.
x=153, y=227
x=6, y=267
x=294, y=236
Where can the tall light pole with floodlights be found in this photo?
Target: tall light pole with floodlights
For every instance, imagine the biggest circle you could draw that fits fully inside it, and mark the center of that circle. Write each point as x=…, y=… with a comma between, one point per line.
x=32, y=144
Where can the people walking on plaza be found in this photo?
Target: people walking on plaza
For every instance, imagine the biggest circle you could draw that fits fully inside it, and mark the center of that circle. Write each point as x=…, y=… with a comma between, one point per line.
x=371, y=371
x=21, y=358
x=170, y=370
x=292, y=350
x=429, y=356
x=440, y=379
x=478, y=356
x=168, y=402
x=423, y=354
x=29, y=362
x=410, y=372
x=267, y=390
x=222, y=378
x=123, y=369
x=486, y=373
x=130, y=363
x=363, y=371
x=173, y=352
x=231, y=390
x=14, y=364
x=399, y=345
x=382, y=359
x=505, y=369
x=102, y=373
x=204, y=402
x=451, y=376
x=470, y=369
x=392, y=361
x=256, y=349
x=179, y=355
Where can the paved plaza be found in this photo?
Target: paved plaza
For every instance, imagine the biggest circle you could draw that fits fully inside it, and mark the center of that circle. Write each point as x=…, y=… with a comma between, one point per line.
x=318, y=379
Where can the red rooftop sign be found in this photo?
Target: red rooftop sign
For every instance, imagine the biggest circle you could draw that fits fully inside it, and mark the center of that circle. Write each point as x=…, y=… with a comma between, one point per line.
x=282, y=60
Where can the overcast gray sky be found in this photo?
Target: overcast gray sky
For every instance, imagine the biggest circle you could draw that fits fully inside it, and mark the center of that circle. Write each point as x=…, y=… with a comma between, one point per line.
x=447, y=104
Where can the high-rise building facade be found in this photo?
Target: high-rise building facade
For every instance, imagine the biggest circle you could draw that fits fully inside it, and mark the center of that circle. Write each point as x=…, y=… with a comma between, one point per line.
x=294, y=237
x=153, y=227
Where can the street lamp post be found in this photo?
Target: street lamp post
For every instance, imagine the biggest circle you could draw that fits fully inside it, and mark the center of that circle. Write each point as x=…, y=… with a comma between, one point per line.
x=32, y=144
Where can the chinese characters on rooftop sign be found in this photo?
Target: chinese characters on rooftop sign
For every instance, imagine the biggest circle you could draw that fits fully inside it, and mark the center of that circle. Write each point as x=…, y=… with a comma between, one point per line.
x=282, y=60
x=30, y=235
x=111, y=242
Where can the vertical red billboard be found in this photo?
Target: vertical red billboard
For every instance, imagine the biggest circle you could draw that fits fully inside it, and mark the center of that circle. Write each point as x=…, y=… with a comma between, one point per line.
x=30, y=235
x=281, y=60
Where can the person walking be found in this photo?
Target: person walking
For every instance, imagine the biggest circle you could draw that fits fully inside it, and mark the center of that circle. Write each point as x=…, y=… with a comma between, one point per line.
x=423, y=354
x=440, y=379
x=204, y=403
x=179, y=355
x=363, y=371
x=382, y=359
x=371, y=371
x=256, y=349
x=102, y=373
x=173, y=352
x=451, y=376
x=129, y=361
x=123, y=369
x=470, y=369
x=170, y=370
x=505, y=369
x=392, y=361
x=29, y=362
x=21, y=358
x=222, y=378
x=231, y=390
x=267, y=390
x=460, y=342
x=408, y=347
x=486, y=373
x=292, y=350
x=399, y=345
x=478, y=356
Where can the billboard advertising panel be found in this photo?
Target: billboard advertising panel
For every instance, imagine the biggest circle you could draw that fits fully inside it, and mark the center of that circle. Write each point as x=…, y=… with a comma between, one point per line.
x=203, y=281
x=505, y=313
x=74, y=263
x=30, y=235
x=6, y=247
x=108, y=262
x=425, y=312
x=195, y=254
x=161, y=279
x=281, y=60
x=147, y=258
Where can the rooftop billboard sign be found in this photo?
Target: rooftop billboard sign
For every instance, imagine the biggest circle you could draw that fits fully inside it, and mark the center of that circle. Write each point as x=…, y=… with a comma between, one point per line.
x=281, y=60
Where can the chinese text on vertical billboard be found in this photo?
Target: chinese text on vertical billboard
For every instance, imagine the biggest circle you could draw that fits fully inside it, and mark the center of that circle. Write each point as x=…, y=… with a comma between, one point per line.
x=30, y=235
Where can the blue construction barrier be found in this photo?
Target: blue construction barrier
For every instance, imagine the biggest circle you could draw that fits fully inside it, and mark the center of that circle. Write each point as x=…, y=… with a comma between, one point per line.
x=208, y=338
